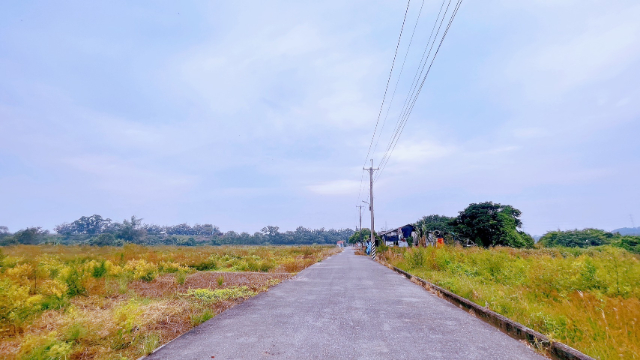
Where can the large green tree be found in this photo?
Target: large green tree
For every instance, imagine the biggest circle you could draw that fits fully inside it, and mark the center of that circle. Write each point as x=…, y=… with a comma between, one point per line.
x=436, y=222
x=492, y=224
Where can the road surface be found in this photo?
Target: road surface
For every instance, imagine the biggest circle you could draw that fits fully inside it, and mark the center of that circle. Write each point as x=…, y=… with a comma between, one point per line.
x=345, y=307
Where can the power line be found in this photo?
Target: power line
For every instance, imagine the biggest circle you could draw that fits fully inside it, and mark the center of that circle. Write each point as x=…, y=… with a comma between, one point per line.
x=419, y=90
x=393, y=95
x=375, y=129
x=419, y=71
x=385, y=91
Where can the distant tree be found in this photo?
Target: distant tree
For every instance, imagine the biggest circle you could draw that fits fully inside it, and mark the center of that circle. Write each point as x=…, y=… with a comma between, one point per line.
x=131, y=231
x=231, y=235
x=98, y=231
x=590, y=237
x=358, y=236
x=363, y=235
x=577, y=238
x=436, y=222
x=30, y=236
x=87, y=225
x=5, y=237
x=215, y=232
x=154, y=229
x=207, y=230
x=186, y=242
x=492, y=224
x=270, y=230
x=273, y=236
x=630, y=243
x=105, y=240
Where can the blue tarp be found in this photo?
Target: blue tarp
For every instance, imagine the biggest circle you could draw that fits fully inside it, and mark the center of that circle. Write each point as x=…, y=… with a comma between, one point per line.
x=406, y=231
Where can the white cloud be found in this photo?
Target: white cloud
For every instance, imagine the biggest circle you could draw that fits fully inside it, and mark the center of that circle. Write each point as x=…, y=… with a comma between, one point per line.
x=566, y=58
x=336, y=187
x=420, y=152
x=127, y=179
x=530, y=133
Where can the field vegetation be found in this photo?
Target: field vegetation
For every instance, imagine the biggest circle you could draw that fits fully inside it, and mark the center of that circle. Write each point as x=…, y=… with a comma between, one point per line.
x=586, y=298
x=82, y=302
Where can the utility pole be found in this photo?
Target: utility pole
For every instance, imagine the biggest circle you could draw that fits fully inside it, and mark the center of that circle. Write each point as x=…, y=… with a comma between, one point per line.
x=373, y=239
x=360, y=208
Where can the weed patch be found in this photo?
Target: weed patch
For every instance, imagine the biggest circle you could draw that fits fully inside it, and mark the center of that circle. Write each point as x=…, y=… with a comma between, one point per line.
x=60, y=302
x=221, y=294
x=586, y=298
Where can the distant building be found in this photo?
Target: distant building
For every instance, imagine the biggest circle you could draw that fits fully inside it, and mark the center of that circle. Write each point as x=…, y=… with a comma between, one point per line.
x=398, y=237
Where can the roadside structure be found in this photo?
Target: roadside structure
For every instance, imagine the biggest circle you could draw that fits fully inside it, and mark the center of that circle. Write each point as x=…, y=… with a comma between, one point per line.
x=400, y=236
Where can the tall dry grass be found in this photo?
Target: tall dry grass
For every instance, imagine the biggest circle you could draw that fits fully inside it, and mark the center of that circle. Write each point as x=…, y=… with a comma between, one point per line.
x=586, y=298
x=81, y=302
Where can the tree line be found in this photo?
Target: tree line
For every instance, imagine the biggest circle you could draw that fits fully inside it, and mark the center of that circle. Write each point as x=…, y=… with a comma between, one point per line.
x=98, y=231
x=489, y=224
x=590, y=237
x=485, y=224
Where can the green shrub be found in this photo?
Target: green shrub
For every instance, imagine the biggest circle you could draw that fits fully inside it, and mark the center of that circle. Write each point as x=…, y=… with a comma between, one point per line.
x=75, y=332
x=199, y=319
x=99, y=271
x=74, y=277
x=209, y=264
x=416, y=257
x=266, y=265
x=54, y=302
x=46, y=347
x=181, y=277
x=150, y=343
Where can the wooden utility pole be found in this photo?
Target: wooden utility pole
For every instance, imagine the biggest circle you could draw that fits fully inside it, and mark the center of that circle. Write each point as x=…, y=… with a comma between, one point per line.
x=373, y=239
x=360, y=208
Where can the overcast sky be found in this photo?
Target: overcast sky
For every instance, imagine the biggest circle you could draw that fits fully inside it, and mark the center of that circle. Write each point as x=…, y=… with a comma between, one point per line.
x=245, y=114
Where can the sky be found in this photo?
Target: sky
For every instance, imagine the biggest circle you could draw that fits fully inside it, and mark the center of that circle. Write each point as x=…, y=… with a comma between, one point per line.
x=251, y=113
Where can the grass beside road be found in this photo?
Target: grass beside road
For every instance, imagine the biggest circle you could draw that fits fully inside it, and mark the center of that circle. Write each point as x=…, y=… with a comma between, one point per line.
x=80, y=302
x=588, y=299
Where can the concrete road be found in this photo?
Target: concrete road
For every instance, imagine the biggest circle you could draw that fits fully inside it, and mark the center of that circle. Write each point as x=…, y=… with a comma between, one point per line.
x=346, y=307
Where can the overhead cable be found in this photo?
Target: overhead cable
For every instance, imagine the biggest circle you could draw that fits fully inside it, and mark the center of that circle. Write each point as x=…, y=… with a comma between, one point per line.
x=414, y=99
x=385, y=92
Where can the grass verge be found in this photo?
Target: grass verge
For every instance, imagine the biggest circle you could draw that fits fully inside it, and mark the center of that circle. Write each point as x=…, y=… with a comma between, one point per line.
x=588, y=299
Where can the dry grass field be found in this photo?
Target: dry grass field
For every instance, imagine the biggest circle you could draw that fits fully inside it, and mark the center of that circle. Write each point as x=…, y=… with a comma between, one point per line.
x=586, y=298
x=59, y=302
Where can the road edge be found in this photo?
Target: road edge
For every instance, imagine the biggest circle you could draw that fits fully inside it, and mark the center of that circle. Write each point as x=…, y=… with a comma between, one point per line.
x=248, y=299
x=556, y=350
